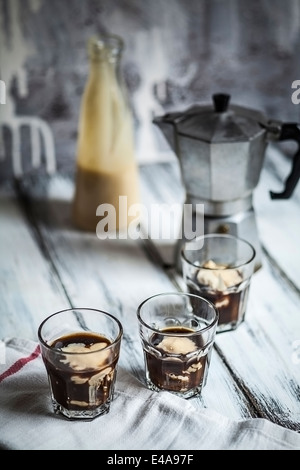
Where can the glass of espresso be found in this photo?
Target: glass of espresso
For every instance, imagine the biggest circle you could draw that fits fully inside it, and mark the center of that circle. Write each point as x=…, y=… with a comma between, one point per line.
x=80, y=348
x=177, y=332
x=219, y=267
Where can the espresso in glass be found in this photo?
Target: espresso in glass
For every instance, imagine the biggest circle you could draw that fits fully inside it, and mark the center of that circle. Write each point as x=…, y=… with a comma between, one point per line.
x=174, y=362
x=219, y=267
x=80, y=350
x=177, y=332
x=81, y=380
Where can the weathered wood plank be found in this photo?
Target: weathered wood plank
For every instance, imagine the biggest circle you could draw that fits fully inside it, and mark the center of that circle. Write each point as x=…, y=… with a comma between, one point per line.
x=162, y=191
x=116, y=275
x=279, y=220
x=260, y=352
x=29, y=288
x=265, y=344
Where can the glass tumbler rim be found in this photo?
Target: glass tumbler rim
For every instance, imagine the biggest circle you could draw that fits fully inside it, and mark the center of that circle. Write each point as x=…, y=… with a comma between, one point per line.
x=181, y=294
x=224, y=236
x=47, y=346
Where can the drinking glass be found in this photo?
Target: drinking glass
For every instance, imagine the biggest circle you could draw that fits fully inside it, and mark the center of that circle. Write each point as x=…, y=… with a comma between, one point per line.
x=80, y=348
x=219, y=267
x=177, y=332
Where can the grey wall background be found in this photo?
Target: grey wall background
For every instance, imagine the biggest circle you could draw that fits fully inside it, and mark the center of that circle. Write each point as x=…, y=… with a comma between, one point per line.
x=178, y=52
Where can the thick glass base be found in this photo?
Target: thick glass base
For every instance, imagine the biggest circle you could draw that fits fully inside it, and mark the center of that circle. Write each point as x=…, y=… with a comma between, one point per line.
x=223, y=327
x=196, y=391
x=83, y=414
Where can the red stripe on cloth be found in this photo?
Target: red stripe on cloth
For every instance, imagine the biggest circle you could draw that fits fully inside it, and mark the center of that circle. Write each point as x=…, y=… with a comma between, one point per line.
x=20, y=363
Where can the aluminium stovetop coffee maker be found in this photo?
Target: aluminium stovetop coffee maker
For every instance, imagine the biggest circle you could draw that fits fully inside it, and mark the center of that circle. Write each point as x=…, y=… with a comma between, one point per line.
x=221, y=150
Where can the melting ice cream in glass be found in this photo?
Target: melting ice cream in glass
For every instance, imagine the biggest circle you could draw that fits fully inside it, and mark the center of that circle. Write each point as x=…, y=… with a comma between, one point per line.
x=80, y=350
x=219, y=267
x=177, y=332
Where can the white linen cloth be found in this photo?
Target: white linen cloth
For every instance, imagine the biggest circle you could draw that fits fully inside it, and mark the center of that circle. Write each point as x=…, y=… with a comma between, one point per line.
x=138, y=419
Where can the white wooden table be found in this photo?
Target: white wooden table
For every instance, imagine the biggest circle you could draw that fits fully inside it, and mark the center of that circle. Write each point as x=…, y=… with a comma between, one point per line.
x=47, y=265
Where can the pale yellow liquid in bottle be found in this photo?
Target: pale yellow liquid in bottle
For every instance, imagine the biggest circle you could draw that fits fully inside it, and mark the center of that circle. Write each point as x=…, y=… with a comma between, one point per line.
x=106, y=166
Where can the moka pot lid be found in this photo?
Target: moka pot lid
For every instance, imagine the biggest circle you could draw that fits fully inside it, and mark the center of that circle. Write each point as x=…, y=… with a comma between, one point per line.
x=220, y=122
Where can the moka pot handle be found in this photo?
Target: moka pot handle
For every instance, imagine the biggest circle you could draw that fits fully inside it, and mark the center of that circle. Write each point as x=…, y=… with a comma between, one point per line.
x=290, y=131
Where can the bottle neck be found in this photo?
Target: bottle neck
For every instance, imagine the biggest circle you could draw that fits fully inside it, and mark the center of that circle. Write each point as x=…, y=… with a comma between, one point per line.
x=104, y=57
x=105, y=49
x=105, y=67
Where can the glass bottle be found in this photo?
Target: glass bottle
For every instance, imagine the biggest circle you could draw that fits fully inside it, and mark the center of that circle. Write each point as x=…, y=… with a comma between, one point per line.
x=106, y=167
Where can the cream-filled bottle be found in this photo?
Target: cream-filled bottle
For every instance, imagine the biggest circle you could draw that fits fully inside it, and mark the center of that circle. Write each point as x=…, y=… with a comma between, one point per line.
x=106, y=167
